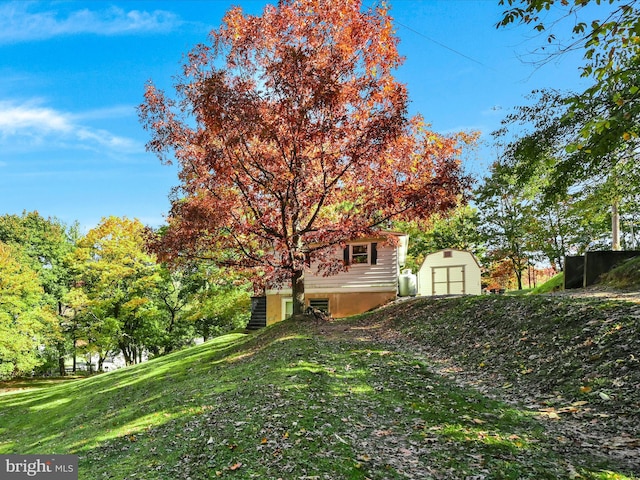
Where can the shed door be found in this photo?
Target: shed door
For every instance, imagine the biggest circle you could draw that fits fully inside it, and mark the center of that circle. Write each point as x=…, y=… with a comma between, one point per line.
x=448, y=280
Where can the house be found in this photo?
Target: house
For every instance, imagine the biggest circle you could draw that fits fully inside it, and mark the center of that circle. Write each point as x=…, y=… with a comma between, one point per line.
x=371, y=280
x=449, y=272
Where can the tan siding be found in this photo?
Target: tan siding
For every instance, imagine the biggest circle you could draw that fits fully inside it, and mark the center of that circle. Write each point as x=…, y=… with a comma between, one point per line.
x=340, y=304
x=346, y=304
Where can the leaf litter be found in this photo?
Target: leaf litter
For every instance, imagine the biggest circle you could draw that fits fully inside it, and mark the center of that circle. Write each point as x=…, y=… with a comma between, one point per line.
x=485, y=388
x=571, y=362
x=440, y=389
x=452, y=388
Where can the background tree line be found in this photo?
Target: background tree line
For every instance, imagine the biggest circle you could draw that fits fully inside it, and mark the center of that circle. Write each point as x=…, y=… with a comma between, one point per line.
x=64, y=295
x=567, y=177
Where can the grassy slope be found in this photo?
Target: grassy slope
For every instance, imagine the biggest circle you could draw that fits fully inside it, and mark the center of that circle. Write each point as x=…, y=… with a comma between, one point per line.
x=576, y=347
x=554, y=284
x=625, y=276
x=300, y=401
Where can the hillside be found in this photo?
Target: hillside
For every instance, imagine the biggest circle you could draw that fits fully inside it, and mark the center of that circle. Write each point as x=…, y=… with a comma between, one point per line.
x=484, y=387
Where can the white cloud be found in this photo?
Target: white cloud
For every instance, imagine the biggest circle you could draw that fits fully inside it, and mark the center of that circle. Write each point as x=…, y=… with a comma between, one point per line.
x=118, y=111
x=25, y=21
x=16, y=118
x=45, y=125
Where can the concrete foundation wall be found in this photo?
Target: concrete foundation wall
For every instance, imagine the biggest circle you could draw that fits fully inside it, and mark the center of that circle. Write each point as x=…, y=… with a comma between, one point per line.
x=340, y=304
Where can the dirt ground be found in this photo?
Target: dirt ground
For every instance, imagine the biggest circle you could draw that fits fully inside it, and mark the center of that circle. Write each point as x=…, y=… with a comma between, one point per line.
x=603, y=293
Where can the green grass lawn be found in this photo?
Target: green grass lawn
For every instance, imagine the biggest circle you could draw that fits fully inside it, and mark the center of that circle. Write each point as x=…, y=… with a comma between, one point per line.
x=626, y=275
x=289, y=402
x=554, y=284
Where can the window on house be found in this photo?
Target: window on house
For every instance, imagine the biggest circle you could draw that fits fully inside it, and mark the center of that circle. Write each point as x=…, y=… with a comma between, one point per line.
x=448, y=254
x=360, y=254
x=321, y=304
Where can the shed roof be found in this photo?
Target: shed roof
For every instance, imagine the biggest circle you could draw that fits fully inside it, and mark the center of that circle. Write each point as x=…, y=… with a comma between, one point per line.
x=452, y=250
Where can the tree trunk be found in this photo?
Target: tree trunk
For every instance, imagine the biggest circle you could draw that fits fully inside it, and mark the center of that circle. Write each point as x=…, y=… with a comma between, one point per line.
x=615, y=226
x=297, y=287
x=61, y=369
x=517, y=270
x=126, y=352
x=90, y=365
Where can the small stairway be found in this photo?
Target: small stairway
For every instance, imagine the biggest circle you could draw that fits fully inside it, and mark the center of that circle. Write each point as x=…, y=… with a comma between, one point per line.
x=258, y=313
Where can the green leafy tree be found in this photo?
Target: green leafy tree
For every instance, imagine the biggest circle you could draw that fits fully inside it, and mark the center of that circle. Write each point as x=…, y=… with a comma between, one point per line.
x=223, y=304
x=589, y=139
x=118, y=277
x=602, y=175
x=27, y=321
x=196, y=298
x=568, y=225
x=45, y=245
x=174, y=298
x=99, y=334
x=76, y=302
x=608, y=31
x=459, y=229
x=507, y=219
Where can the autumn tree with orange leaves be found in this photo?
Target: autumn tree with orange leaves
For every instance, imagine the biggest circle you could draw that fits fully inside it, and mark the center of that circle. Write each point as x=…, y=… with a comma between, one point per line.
x=292, y=137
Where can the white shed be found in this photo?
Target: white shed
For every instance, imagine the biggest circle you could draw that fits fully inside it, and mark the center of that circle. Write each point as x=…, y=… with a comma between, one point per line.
x=449, y=272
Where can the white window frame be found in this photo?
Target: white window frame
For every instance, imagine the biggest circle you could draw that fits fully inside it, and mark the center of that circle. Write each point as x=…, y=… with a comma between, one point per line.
x=351, y=254
x=284, y=302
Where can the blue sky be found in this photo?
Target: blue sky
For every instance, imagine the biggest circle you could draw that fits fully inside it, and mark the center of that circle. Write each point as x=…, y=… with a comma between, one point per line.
x=73, y=72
